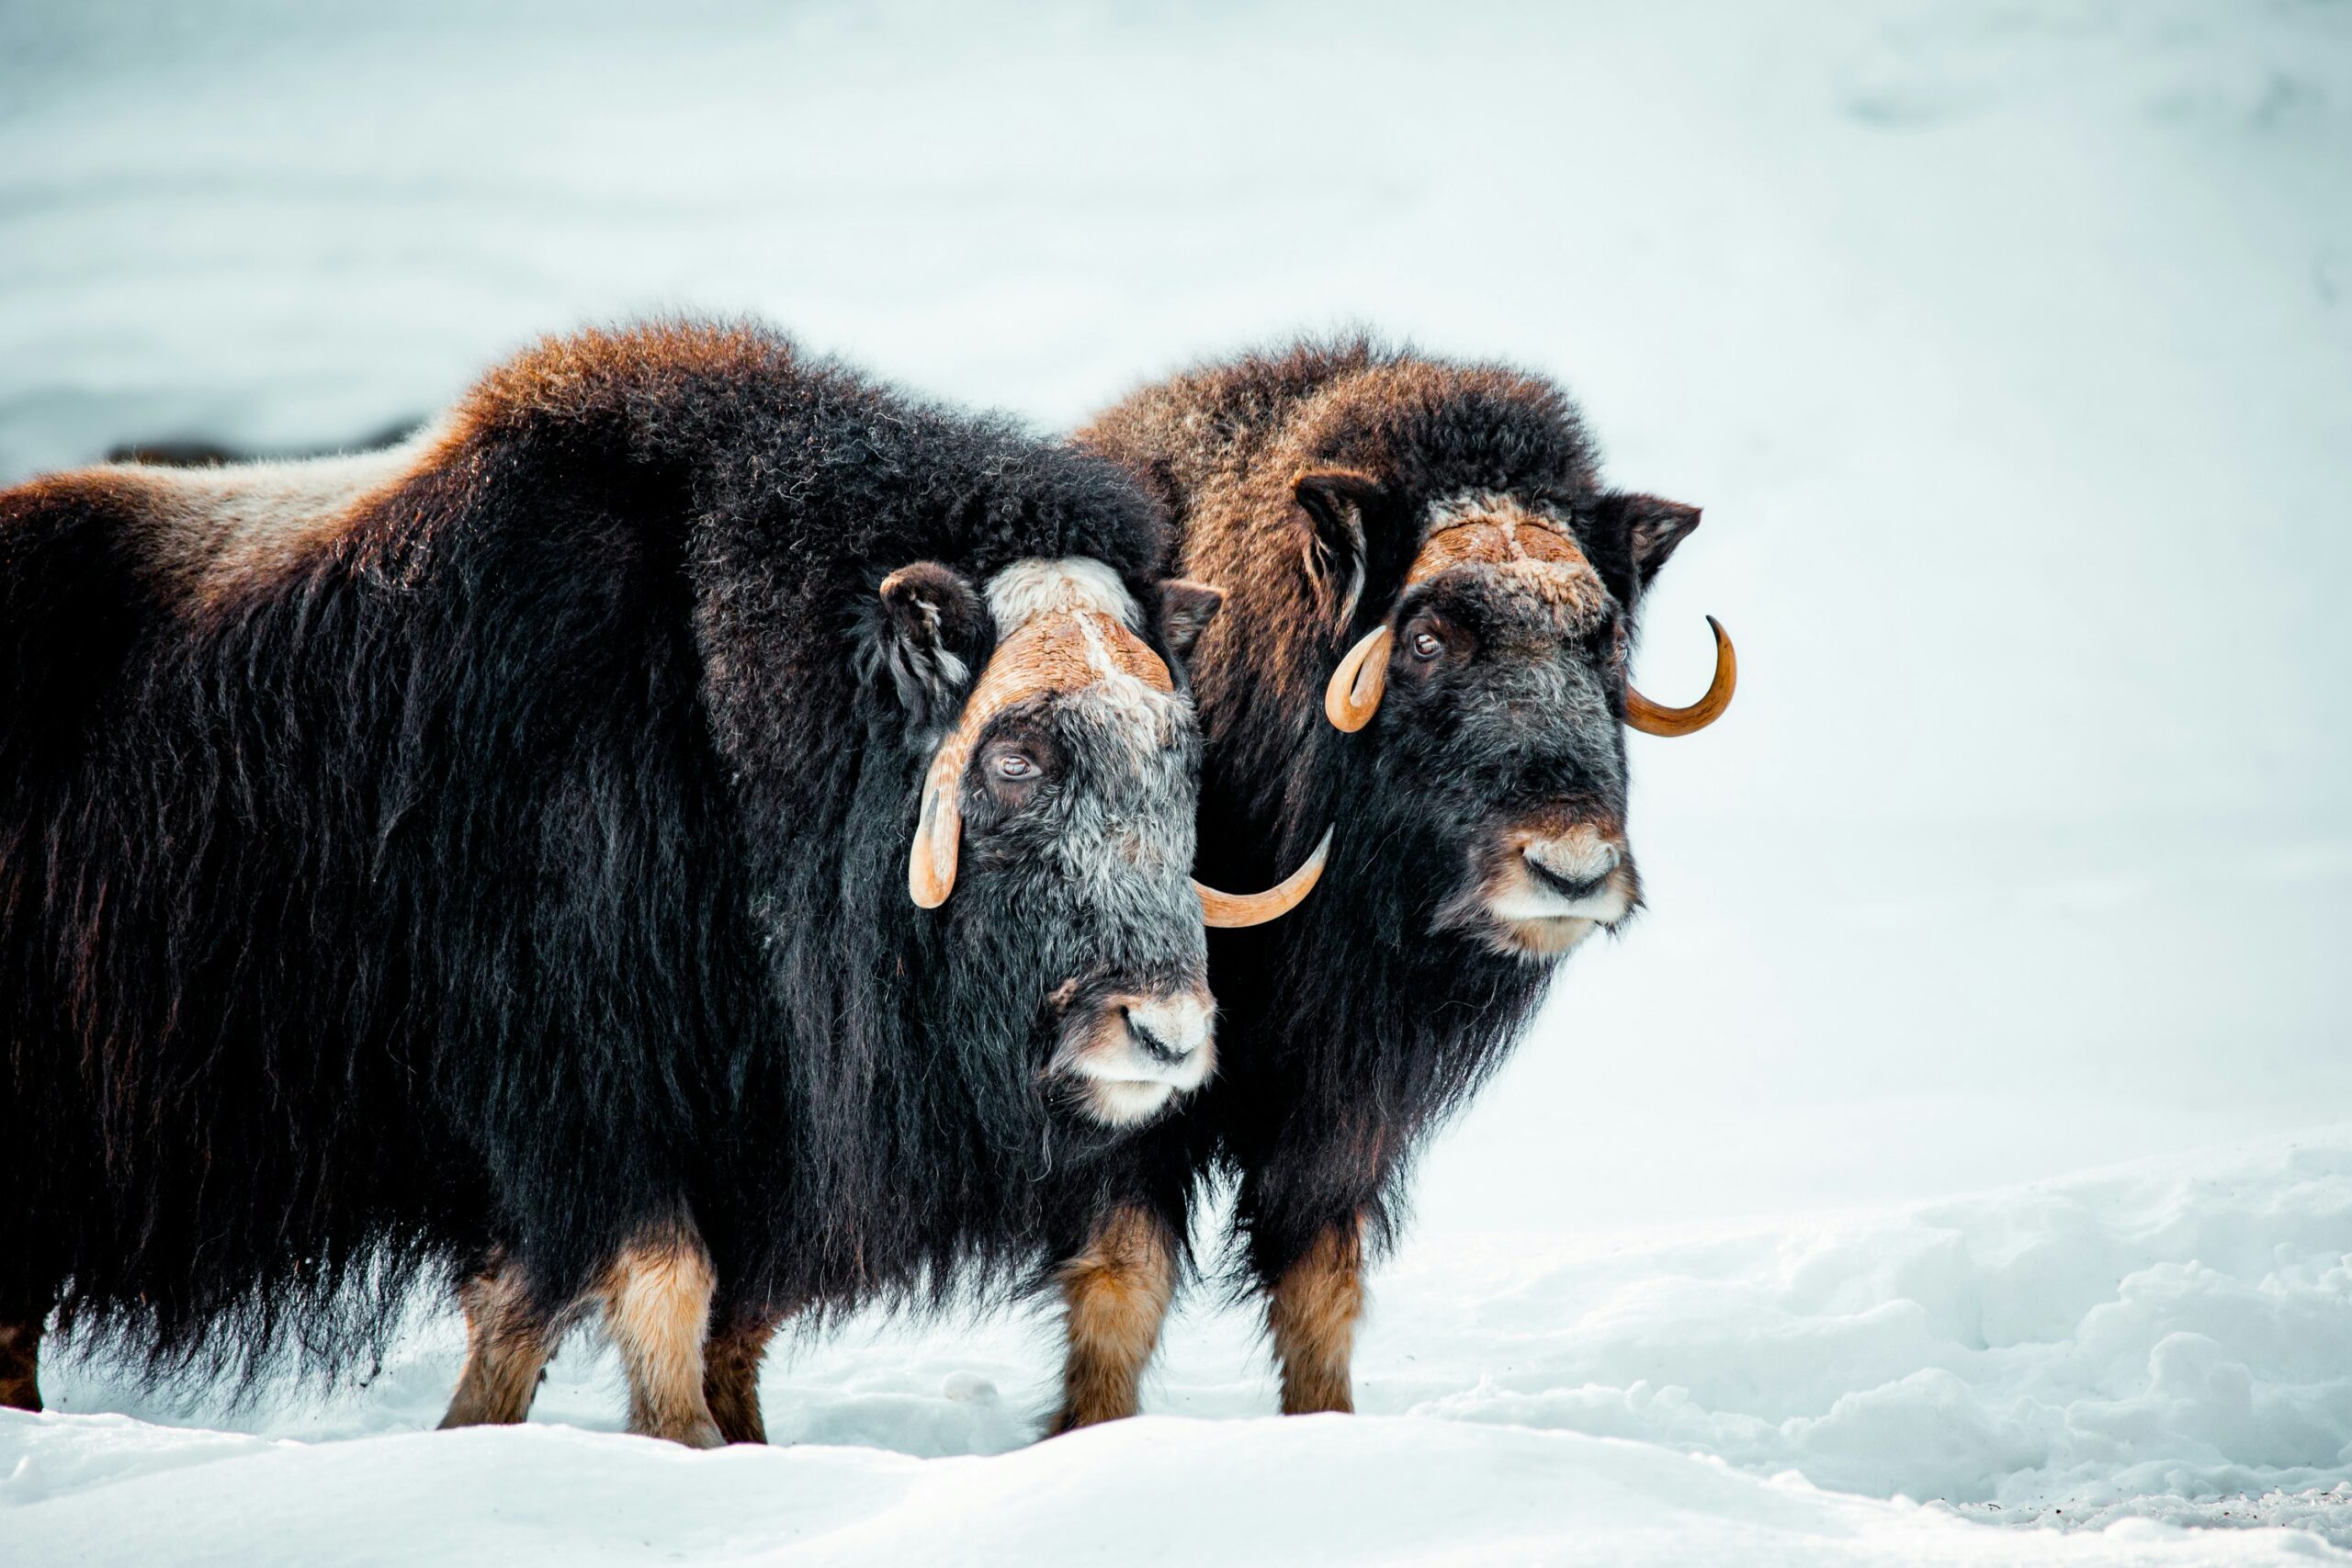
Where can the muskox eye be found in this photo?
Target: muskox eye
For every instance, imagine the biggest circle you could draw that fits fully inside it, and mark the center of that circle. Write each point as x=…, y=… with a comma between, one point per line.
x=1428, y=645
x=1014, y=765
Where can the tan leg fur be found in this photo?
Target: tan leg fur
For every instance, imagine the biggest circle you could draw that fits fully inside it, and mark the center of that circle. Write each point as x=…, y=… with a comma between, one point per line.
x=506, y=1348
x=657, y=1312
x=1312, y=1313
x=20, y=1364
x=1117, y=1292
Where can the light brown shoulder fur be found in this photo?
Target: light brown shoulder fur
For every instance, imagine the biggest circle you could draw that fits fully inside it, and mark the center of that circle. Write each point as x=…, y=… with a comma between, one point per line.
x=206, y=533
x=210, y=534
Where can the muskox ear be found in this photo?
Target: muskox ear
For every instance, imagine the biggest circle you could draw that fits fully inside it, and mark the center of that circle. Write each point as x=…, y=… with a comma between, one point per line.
x=1186, y=608
x=1652, y=528
x=1334, y=501
x=933, y=635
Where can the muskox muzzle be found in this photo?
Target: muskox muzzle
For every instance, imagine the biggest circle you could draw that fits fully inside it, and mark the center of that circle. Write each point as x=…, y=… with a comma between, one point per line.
x=1126, y=1056
x=1547, y=883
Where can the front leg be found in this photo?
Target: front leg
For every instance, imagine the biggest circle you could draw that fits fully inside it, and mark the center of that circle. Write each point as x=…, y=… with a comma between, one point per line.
x=1312, y=1310
x=656, y=1296
x=508, y=1342
x=1115, y=1293
x=657, y=1312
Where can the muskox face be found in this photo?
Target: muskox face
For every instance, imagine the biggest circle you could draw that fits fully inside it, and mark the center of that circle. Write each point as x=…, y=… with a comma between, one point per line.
x=1495, y=696
x=1502, y=724
x=1055, y=837
x=1089, y=843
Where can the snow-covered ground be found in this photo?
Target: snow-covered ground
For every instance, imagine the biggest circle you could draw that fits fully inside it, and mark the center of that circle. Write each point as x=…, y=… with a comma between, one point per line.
x=2162, y=1344
x=2009, y=350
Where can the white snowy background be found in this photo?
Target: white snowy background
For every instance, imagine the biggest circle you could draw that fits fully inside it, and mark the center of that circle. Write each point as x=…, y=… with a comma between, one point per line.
x=2008, y=347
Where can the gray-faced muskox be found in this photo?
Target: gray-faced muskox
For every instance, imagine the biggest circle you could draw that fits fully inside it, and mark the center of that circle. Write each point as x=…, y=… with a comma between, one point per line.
x=1429, y=600
x=503, y=845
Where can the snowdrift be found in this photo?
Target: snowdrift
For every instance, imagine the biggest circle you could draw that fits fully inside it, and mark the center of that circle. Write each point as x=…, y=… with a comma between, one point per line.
x=2163, y=1345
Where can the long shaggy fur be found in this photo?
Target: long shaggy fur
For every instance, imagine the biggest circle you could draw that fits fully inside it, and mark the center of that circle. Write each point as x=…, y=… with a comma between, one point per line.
x=512, y=852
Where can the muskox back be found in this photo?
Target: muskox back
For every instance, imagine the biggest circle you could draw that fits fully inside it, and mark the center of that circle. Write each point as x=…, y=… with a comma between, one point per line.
x=502, y=840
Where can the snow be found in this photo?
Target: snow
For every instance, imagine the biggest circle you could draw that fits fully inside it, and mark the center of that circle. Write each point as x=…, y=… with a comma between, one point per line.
x=2124, y=1352
x=2008, y=350
x=1325, y=1489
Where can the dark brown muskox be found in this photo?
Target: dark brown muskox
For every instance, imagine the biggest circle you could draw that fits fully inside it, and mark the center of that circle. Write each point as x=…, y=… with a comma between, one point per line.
x=501, y=845
x=1430, y=601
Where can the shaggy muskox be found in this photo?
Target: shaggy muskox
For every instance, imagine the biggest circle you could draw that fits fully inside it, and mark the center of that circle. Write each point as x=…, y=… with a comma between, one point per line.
x=1430, y=603
x=692, y=826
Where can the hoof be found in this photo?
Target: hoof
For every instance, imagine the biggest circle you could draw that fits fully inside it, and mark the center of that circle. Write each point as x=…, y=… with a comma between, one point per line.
x=698, y=1435
x=1067, y=1421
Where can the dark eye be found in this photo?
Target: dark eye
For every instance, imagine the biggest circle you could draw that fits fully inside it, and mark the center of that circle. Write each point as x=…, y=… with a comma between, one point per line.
x=1014, y=765
x=1428, y=645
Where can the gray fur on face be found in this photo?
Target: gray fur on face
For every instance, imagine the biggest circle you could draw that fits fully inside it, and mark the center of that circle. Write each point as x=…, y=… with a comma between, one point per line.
x=1095, y=872
x=1116, y=861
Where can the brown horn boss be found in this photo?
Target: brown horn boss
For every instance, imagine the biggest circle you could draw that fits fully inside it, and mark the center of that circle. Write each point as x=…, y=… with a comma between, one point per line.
x=1070, y=644
x=1353, y=693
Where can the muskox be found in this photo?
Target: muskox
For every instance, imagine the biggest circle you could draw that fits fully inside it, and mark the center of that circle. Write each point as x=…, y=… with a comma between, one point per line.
x=693, y=826
x=1429, y=604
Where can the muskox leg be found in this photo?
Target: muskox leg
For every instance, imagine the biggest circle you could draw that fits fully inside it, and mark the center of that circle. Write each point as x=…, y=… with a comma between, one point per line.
x=656, y=1311
x=1116, y=1293
x=508, y=1341
x=1312, y=1310
x=20, y=1363
x=731, y=1378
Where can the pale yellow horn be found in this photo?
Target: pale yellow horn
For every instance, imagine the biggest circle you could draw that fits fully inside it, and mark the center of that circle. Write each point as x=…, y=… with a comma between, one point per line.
x=1234, y=909
x=938, y=830
x=1354, y=694
x=1651, y=719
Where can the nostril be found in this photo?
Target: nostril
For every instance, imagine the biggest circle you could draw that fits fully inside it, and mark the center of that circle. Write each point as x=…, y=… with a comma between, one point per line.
x=1153, y=1045
x=1171, y=1031
x=1573, y=871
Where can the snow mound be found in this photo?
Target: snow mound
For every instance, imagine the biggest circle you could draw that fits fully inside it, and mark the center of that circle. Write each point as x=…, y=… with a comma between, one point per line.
x=2124, y=1354
x=2181, y=1327
x=1158, y=1490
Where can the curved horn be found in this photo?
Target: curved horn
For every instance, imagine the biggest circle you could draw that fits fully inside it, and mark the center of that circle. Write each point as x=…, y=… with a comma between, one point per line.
x=939, y=830
x=1651, y=719
x=1354, y=692
x=1229, y=909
